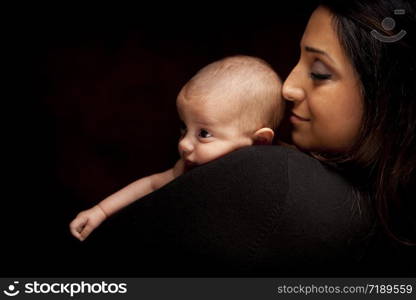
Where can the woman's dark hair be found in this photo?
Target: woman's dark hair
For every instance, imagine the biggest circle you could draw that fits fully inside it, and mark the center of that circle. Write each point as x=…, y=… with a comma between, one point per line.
x=385, y=153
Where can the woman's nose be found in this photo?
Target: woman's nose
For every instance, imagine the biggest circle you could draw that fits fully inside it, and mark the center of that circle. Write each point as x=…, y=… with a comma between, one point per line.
x=292, y=88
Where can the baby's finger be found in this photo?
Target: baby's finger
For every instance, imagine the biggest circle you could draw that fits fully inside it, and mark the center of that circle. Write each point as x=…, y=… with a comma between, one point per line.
x=75, y=232
x=86, y=232
x=77, y=226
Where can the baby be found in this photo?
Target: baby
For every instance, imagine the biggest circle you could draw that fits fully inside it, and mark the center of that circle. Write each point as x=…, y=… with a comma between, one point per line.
x=231, y=103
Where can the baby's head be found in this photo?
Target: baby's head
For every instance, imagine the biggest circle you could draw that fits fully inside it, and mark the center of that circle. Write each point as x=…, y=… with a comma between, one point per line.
x=229, y=104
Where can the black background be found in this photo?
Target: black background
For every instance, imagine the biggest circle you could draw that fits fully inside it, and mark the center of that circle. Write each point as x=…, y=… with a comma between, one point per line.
x=93, y=108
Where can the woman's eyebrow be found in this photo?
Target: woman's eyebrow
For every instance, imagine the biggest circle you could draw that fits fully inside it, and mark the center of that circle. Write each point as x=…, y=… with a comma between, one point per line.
x=315, y=50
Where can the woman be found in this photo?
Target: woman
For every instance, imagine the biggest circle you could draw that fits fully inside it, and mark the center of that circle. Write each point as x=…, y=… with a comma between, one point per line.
x=341, y=207
x=358, y=110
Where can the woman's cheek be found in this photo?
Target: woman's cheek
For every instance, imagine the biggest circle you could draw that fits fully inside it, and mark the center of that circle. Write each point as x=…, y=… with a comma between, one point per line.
x=313, y=135
x=336, y=113
x=334, y=132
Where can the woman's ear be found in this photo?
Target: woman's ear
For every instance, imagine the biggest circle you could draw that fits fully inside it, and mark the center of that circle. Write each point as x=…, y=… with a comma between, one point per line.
x=263, y=136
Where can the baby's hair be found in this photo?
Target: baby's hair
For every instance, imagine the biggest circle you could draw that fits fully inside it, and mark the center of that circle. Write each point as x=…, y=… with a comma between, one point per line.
x=247, y=82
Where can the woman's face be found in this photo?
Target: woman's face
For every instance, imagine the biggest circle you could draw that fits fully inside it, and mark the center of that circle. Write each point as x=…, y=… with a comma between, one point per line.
x=324, y=89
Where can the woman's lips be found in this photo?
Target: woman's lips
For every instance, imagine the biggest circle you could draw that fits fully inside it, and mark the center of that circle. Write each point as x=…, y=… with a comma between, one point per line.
x=296, y=118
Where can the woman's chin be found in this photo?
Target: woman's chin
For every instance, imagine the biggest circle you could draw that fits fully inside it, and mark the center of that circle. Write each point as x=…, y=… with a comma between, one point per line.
x=302, y=142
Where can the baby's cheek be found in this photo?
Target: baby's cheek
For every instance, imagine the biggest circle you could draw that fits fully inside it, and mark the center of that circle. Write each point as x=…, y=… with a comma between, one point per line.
x=209, y=152
x=205, y=153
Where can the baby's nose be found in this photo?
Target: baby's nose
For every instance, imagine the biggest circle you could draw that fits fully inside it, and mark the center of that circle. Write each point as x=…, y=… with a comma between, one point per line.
x=185, y=146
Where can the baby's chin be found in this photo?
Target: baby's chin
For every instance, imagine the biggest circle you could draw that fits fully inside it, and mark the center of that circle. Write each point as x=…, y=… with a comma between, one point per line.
x=190, y=165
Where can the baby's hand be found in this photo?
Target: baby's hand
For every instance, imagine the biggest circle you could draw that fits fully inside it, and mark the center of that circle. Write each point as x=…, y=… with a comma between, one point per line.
x=86, y=221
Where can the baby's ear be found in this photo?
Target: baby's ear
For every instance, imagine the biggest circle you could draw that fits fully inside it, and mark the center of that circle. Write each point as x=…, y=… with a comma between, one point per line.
x=263, y=136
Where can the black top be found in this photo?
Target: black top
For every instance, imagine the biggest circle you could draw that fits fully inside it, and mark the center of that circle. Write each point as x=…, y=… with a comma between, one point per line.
x=261, y=210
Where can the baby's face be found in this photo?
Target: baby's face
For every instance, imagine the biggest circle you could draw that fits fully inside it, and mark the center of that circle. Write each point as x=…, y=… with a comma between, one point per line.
x=210, y=130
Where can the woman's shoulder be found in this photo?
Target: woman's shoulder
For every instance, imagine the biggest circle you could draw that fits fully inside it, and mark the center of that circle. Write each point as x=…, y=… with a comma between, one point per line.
x=296, y=165
x=255, y=208
x=298, y=184
x=256, y=156
x=309, y=184
x=312, y=186
x=269, y=154
x=321, y=217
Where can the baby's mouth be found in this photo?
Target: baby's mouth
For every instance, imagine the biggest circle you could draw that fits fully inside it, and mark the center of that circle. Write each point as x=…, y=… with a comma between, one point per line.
x=189, y=164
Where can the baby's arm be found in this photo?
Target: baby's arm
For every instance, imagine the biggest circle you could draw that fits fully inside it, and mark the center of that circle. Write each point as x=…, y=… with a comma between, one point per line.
x=87, y=220
x=139, y=189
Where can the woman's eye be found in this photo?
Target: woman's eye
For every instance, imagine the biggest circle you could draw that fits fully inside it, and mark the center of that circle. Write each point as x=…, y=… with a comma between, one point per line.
x=204, y=134
x=320, y=76
x=320, y=71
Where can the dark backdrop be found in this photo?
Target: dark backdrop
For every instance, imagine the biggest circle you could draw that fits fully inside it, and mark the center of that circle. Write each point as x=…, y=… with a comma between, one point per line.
x=97, y=109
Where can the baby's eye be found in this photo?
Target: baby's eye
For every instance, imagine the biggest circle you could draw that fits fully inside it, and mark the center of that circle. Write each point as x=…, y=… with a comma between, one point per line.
x=204, y=133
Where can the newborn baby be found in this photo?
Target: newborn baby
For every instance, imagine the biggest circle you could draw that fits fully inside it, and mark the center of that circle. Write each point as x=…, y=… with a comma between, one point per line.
x=231, y=103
